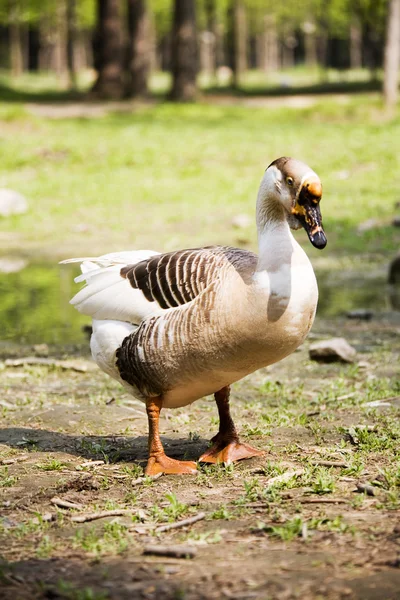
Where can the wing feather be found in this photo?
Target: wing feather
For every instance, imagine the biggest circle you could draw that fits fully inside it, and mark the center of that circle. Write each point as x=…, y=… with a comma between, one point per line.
x=176, y=278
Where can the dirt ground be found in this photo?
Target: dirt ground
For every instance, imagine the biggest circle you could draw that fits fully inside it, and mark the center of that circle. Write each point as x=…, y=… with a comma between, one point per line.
x=290, y=525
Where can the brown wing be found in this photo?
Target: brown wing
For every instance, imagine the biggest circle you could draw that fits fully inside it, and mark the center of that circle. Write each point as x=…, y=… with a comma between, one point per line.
x=175, y=278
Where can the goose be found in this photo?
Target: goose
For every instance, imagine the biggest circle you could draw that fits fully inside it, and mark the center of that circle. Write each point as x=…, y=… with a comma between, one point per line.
x=175, y=327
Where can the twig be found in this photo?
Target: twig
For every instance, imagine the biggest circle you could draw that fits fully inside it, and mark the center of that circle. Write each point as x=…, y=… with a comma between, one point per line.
x=329, y=463
x=102, y=514
x=346, y=396
x=313, y=413
x=8, y=405
x=149, y=561
x=61, y=364
x=175, y=551
x=92, y=463
x=65, y=503
x=15, y=459
x=322, y=501
x=8, y=578
x=188, y=521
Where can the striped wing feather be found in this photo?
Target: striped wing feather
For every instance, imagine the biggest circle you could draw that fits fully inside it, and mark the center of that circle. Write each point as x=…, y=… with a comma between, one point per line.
x=176, y=278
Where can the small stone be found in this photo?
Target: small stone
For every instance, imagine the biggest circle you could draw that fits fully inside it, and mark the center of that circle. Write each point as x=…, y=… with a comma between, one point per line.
x=333, y=350
x=8, y=523
x=12, y=203
x=45, y=517
x=365, y=488
x=364, y=314
x=364, y=364
x=396, y=221
x=80, y=228
x=241, y=221
x=368, y=225
x=41, y=349
x=12, y=265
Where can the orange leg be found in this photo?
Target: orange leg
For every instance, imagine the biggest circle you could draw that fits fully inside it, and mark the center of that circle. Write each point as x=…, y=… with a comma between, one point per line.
x=226, y=447
x=158, y=462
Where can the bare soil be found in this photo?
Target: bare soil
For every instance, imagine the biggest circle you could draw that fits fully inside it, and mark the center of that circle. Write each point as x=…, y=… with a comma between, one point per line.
x=289, y=525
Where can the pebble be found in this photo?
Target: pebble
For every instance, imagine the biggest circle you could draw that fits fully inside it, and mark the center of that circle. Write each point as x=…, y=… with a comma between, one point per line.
x=12, y=203
x=241, y=221
x=333, y=350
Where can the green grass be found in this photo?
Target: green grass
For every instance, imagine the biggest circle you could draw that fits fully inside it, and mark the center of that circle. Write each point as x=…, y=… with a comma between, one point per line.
x=166, y=176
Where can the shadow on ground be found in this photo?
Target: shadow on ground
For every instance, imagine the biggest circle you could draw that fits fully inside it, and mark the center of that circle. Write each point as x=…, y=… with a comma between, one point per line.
x=143, y=578
x=97, y=447
x=10, y=94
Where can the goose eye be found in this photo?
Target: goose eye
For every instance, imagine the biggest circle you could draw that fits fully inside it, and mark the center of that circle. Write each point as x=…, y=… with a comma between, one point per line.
x=289, y=181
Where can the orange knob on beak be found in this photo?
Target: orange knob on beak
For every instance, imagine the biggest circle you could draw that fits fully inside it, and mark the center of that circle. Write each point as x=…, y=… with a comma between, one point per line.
x=314, y=188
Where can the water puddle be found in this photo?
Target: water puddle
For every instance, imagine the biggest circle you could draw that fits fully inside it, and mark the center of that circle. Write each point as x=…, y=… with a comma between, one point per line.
x=35, y=307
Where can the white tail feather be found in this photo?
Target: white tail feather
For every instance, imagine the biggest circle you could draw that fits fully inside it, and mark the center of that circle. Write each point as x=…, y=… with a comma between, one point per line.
x=107, y=295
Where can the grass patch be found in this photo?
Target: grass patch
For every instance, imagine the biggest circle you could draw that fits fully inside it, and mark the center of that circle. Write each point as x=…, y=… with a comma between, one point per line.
x=113, y=540
x=6, y=480
x=52, y=465
x=297, y=527
x=185, y=171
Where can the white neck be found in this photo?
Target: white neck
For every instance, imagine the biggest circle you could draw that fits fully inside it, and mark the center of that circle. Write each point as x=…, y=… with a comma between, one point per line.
x=275, y=240
x=276, y=245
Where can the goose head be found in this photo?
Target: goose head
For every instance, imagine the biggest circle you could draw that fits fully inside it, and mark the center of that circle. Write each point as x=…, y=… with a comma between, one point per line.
x=291, y=191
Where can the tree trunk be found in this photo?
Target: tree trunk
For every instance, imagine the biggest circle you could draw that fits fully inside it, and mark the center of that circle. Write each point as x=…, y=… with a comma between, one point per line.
x=260, y=51
x=138, y=49
x=310, y=43
x=184, y=52
x=16, y=55
x=322, y=54
x=211, y=41
x=72, y=43
x=60, y=46
x=271, y=44
x=240, y=40
x=289, y=43
x=25, y=46
x=43, y=54
x=355, y=45
x=108, y=50
x=153, y=58
x=392, y=54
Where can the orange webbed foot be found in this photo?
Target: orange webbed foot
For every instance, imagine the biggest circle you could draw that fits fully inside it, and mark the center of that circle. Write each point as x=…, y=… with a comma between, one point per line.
x=228, y=453
x=163, y=464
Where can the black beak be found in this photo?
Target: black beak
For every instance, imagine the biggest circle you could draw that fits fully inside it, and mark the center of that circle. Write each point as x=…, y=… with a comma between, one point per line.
x=308, y=213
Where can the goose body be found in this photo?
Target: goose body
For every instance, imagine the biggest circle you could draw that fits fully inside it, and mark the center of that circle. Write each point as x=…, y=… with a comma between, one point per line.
x=175, y=327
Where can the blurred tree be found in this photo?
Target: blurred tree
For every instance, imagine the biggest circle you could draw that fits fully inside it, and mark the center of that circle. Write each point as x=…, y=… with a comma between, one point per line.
x=16, y=52
x=236, y=39
x=184, y=52
x=71, y=41
x=240, y=40
x=138, y=48
x=392, y=54
x=371, y=14
x=208, y=48
x=355, y=44
x=162, y=18
x=108, y=51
